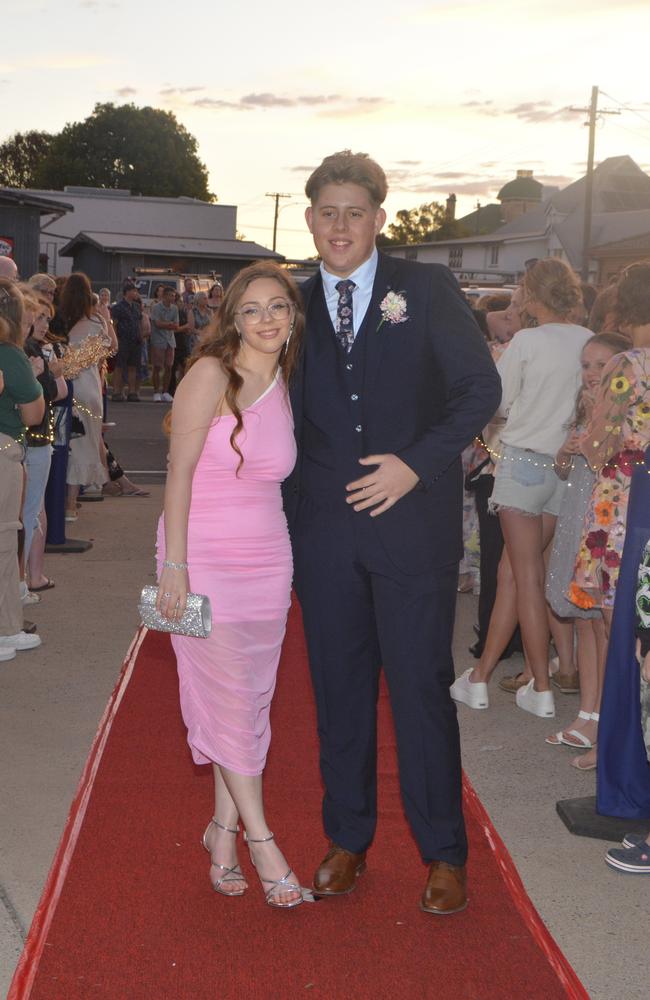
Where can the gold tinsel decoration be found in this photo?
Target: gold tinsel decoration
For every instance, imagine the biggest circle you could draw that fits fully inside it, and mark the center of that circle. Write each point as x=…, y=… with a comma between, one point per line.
x=93, y=351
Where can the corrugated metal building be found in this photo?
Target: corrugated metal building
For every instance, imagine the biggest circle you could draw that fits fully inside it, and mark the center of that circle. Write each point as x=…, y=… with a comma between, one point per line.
x=107, y=258
x=109, y=233
x=20, y=226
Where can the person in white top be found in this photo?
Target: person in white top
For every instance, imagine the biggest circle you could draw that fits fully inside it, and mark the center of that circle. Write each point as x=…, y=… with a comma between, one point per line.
x=540, y=374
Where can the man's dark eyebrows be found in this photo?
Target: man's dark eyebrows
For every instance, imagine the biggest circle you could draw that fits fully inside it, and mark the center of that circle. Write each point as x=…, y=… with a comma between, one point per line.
x=355, y=208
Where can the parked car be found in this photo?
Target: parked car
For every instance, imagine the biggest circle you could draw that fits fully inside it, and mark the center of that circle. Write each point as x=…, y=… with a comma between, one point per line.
x=148, y=281
x=473, y=293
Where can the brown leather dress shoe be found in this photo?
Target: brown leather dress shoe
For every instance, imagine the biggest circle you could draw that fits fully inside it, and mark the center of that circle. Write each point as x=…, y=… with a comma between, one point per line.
x=446, y=889
x=338, y=872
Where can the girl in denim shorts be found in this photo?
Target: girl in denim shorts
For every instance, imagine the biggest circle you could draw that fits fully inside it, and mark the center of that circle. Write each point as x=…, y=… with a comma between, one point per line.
x=540, y=374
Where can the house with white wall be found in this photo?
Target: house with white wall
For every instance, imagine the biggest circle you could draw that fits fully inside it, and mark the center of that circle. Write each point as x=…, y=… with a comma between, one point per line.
x=620, y=232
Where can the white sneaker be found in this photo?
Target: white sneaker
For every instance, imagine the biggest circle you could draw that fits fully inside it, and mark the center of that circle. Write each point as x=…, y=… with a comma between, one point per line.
x=21, y=640
x=166, y=398
x=157, y=398
x=26, y=595
x=539, y=703
x=7, y=654
x=470, y=693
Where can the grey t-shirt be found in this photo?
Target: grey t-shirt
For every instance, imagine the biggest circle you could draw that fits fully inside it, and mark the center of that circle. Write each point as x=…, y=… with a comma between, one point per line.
x=163, y=314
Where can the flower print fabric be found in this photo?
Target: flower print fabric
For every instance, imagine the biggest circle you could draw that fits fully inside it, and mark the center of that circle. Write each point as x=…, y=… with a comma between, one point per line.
x=471, y=561
x=643, y=634
x=614, y=443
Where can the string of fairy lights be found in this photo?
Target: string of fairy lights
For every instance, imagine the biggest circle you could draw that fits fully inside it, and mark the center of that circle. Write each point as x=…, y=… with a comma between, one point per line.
x=534, y=458
x=92, y=351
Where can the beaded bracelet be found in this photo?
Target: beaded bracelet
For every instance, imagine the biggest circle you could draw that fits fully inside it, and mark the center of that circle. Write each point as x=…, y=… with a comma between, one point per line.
x=168, y=564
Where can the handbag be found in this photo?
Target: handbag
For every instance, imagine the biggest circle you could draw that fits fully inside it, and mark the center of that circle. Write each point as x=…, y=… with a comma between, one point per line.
x=196, y=620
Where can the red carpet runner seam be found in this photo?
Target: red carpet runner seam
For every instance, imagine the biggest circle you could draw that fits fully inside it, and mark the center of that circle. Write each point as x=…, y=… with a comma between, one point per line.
x=27, y=967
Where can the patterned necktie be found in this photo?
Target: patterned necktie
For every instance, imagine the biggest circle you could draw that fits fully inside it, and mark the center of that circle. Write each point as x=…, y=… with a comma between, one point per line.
x=344, y=324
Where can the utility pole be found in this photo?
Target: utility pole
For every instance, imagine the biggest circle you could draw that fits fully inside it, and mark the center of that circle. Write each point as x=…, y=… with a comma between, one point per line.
x=593, y=113
x=277, y=195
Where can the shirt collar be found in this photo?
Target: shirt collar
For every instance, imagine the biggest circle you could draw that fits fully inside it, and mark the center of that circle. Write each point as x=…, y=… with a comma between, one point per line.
x=363, y=277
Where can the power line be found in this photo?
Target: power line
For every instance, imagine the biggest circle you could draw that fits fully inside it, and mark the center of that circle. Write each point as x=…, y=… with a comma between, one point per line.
x=634, y=111
x=631, y=131
x=267, y=229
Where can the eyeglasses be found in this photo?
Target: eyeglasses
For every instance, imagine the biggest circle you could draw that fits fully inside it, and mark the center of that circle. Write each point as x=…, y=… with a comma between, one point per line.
x=253, y=315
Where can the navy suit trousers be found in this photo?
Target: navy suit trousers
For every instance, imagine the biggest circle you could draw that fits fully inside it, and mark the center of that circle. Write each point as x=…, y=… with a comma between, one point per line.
x=362, y=613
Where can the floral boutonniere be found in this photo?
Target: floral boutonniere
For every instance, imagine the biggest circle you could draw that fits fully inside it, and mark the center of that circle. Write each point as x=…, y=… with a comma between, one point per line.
x=393, y=309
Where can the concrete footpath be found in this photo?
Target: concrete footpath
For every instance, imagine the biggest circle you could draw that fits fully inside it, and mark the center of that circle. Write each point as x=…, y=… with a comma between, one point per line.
x=51, y=700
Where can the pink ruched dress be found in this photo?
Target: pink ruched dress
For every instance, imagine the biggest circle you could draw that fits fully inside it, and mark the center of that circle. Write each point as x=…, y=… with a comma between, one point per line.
x=239, y=555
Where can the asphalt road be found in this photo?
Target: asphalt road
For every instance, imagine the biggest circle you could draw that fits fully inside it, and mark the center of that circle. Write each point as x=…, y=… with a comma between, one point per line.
x=137, y=439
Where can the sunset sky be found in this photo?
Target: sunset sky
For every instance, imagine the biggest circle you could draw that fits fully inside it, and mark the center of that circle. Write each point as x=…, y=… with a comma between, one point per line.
x=448, y=96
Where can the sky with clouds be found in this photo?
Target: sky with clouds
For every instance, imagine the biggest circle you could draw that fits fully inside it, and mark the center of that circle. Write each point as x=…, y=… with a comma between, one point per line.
x=448, y=95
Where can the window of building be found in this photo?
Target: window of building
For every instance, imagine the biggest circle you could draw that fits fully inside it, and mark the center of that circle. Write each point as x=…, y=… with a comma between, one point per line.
x=456, y=257
x=494, y=256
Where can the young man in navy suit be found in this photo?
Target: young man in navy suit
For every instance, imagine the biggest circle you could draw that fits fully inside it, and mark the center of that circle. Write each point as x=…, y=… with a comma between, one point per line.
x=395, y=380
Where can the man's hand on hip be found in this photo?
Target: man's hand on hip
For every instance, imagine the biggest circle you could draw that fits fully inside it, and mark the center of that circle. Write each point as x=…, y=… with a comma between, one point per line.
x=382, y=488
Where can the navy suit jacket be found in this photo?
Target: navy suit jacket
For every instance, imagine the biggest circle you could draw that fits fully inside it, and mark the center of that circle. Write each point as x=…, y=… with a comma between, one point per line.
x=428, y=386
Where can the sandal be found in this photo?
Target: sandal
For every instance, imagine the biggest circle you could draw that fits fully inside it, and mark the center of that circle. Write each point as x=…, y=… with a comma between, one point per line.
x=233, y=874
x=44, y=586
x=277, y=884
x=580, y=767
x=130, y=491
x=582, y=742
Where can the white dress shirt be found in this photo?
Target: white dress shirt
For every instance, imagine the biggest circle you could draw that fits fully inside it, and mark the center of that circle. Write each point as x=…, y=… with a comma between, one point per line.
x=364, y=278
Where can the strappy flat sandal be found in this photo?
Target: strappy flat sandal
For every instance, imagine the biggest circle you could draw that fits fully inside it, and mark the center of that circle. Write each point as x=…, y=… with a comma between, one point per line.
x=581, y=741
x=277, y=884
x=233, y=874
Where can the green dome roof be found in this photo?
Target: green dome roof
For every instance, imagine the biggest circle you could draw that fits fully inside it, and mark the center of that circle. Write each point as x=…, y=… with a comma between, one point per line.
x=521, y=189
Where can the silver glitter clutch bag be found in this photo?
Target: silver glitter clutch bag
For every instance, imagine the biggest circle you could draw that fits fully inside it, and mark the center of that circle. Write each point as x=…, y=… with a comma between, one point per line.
x=196, y=620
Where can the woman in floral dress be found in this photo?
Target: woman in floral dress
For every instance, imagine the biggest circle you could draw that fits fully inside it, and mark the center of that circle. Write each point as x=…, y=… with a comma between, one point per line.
x=614, y=444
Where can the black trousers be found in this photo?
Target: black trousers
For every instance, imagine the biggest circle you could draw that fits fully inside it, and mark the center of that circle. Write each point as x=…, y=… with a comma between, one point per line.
x=491, y=543
x=362, y=613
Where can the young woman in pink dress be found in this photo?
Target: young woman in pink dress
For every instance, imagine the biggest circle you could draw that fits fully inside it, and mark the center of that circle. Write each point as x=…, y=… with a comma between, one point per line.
x=224, y=534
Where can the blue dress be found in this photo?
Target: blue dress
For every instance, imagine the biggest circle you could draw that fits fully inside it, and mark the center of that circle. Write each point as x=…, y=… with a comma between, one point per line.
x=623, y=783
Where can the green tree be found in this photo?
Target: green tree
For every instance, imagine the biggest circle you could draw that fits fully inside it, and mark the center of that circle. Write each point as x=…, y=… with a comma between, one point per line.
x=426, y=223
x=143, y=149
x=415, y=225
x=20, y=155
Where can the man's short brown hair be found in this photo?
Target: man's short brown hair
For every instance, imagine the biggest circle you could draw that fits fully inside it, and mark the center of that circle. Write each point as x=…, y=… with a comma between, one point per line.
x=347, y=167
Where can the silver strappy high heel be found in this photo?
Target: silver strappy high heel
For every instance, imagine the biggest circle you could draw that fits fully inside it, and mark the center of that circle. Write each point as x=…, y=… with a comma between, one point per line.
x=277, y=884
x=233, y=874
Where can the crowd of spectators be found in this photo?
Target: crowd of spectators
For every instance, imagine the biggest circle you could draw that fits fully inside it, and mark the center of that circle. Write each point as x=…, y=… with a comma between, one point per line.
x=557, y=466
x=60, y=346
x=56, y=337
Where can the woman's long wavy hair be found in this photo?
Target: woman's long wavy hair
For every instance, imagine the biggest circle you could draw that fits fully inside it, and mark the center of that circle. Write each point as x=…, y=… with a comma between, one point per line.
x=76, y=301
x=222, y=339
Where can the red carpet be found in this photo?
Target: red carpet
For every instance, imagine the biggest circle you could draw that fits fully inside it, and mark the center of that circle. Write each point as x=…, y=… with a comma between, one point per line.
x=128, y=912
